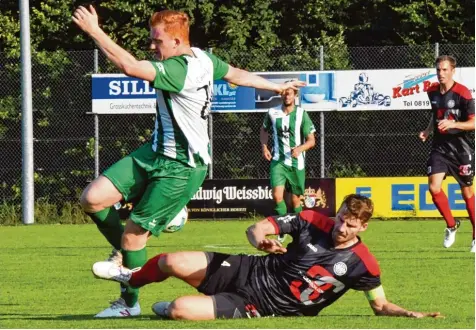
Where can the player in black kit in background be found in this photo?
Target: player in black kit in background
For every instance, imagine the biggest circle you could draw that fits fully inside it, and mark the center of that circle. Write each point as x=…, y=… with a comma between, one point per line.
x=325, y=259
x=452, y=152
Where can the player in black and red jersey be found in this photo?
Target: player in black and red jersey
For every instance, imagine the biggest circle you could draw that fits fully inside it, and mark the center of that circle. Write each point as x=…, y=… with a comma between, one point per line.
x=452, y=152
x=325, y=259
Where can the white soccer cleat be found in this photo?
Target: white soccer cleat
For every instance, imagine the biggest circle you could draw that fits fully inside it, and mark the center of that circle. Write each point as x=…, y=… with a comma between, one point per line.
x=161, y=308
x=450, y=237
x=281, y=238
x=473, y=247
x=108, y=270
x=119, y=308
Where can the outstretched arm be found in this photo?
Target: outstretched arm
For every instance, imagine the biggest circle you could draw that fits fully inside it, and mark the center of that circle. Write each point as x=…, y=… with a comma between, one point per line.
x=87, y=20
x=244, y=78
x=382, y=307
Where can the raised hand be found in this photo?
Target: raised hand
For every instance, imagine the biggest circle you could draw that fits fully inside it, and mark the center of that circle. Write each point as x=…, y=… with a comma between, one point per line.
x=87, y=20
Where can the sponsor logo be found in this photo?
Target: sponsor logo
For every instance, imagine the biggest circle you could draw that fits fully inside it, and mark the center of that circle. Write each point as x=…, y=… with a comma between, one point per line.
x=224, y=89
x=225, y=264
x=232, y=193
x=314, y=198
x=125, y=312
x=465, y=170
x=286, y=218
x=340, y=268
x=284, y=132
x=130, y=87
x=160, y=66
x=312, y=247
x=414, y=84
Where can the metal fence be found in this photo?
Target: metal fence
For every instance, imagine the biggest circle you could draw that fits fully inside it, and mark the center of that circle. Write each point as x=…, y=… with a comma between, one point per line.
x=71, y=147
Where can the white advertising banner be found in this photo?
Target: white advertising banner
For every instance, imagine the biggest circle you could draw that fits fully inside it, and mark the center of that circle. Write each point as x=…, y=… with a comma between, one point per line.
x=399, y=89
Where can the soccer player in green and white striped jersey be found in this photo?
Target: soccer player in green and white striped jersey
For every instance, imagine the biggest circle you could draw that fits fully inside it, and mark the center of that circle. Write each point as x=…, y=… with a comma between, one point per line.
x=293, y=134
x=165, y=173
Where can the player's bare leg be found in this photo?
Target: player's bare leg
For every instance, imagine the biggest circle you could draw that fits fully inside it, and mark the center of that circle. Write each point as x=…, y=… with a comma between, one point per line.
x=441, y=202
x=188, y=266
x=194, y=308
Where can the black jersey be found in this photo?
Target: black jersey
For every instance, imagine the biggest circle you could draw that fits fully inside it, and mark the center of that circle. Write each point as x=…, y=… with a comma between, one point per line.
x=311, y=274
x=456, y=104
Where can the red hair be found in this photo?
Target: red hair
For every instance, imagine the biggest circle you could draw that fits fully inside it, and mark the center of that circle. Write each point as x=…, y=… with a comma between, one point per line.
x=176, y=23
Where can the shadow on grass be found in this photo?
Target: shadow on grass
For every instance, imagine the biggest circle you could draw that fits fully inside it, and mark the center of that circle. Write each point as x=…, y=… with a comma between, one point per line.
x=81, y=317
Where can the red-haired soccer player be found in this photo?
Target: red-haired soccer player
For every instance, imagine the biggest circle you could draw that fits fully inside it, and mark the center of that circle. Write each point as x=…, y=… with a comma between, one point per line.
x=167, y=171
x=452, y=150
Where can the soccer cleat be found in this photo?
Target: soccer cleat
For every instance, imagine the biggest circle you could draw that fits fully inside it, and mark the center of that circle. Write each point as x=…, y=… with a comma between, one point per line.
x=161, y=308
x=115, y=256
x=108, y=270
x=473, y=247
x=281, y=238
x=119, y=308
x=450, y=235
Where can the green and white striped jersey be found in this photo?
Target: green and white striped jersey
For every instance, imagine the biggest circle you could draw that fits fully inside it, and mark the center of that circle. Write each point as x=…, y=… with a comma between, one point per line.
x=289, y=131
x=184, y=93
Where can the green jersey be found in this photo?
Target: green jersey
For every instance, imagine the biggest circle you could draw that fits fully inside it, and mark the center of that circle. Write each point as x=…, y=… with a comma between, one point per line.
x=289, y=131
x=184, y=93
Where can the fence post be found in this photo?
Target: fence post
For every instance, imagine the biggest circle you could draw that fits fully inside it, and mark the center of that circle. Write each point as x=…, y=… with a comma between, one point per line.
x=210, y=135
x=321, y=114
x=437, y=49
x=28, y=171
x=96, y=122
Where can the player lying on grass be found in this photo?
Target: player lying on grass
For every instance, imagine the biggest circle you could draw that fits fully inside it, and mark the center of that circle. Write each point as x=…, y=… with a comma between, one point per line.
x=325, y=259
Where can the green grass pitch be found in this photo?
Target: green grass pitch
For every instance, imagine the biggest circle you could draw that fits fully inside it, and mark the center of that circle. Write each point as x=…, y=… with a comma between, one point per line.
x=45, y=278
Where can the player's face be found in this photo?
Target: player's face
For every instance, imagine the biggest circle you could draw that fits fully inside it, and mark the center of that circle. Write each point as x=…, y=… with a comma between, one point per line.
x=162, y=43
x=346, y=227
x=288, y=97
x=444, y=72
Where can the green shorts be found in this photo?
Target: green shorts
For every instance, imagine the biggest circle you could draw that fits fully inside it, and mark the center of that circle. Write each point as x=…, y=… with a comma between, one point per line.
x=287, y=176
x=165, y=184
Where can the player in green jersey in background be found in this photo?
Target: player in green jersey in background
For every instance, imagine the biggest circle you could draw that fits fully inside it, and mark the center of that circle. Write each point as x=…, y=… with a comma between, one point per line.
x=166, y=172
x=293, y=134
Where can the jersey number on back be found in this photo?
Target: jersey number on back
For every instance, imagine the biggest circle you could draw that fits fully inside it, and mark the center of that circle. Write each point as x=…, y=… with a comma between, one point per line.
x=208, y=101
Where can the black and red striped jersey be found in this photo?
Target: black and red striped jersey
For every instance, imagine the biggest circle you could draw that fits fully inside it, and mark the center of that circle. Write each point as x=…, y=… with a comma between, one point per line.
x=312, y=274
x=456, y=104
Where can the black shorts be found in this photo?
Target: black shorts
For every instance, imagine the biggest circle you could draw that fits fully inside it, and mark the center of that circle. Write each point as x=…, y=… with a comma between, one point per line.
x=225, y=275
x=461, y=168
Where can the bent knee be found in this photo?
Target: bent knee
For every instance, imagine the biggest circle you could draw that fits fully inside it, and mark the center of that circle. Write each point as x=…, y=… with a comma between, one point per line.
x=178, y=309
x=191, y=308
x=434, y=189
x=98, y=195
x=171, y=263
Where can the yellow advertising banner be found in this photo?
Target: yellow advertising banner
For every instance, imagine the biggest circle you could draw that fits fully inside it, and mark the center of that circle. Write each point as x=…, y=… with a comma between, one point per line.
x=401, y=196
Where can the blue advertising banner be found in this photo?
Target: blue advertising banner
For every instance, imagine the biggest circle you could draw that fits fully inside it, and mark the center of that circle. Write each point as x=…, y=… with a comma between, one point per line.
x=229, y=97
x=119, y=94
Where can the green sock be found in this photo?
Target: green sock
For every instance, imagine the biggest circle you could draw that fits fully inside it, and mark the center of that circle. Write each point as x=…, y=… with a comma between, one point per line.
x=132, y=259
x=109, y=224
x=297, y=209
x=281, y=208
